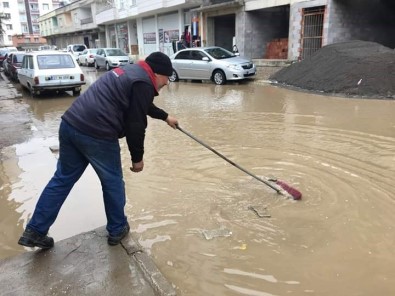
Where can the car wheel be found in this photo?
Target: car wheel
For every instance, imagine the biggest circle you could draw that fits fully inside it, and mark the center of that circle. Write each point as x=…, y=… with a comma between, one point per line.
x=173, y=77
x=219, y=77
x=96, y=65
x=32, y=91
x=108, y=68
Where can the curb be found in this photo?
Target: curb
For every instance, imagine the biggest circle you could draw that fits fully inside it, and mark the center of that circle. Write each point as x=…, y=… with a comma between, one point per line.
x=151, y=272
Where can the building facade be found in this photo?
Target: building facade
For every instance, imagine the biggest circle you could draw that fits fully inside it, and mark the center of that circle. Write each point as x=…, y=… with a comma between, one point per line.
x=258, y=29
x=20, y=23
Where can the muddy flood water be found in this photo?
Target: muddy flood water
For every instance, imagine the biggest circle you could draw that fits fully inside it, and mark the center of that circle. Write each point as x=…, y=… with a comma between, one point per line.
x=190, y=209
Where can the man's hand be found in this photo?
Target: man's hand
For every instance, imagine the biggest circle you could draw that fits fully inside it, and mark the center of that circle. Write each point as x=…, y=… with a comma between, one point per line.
x=172, y=121
x=137, y=166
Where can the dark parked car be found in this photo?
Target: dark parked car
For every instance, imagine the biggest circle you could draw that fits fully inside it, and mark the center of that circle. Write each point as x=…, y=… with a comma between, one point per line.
x=4, y=53
x=14, y=62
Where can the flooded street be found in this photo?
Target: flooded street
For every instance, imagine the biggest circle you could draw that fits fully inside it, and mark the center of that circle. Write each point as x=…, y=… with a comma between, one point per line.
x=190, y=209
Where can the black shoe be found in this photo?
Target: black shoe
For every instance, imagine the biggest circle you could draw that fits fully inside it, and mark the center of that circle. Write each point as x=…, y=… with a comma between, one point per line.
x=114, y=240
x=31, y=238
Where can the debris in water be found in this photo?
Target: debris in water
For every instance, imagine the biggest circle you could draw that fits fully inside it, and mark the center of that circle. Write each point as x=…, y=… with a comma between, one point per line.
x=210, y=234
x=261, y=213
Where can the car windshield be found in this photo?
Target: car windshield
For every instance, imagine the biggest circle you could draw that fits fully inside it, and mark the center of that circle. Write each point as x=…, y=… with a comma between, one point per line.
x=115, y=52
x=78, y=48
x=219, y=53
x=55, y=61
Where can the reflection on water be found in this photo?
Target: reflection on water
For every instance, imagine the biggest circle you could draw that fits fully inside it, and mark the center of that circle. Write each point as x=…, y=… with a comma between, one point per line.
x=339, y=152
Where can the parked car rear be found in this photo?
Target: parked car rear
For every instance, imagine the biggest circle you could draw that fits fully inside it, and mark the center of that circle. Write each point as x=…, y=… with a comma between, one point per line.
x=14, y=62
x=87, y=57
x=50, y=70
x=111, y=58
x=76, y=49
x=4, y=53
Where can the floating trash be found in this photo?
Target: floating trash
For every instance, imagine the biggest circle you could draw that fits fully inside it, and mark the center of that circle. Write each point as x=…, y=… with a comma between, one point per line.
x=261, y=212
x=222, y=232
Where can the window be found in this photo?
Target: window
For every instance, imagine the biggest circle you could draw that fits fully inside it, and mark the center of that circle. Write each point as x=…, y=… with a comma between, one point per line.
x=184, y=55
x=45, y=6
x=9, y=38
x=27, y=40
x=6, y=5
x=27, y=62
x=9, y=27
x=7, y=16
x=197, y=55
x=55, y=61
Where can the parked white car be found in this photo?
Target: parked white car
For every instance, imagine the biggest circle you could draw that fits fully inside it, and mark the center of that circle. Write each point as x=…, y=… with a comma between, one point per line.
x=76, y=49
x=50, y=70
x=111, y=58
x=210, y=63
x=87, y=57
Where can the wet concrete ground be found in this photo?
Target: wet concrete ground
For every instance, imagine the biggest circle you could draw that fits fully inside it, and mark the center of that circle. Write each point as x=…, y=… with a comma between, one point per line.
x=84, y=265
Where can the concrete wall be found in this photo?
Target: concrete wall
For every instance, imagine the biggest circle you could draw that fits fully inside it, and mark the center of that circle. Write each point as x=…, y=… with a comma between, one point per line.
x=261, y=27
x=295, y=26
x=362, y=20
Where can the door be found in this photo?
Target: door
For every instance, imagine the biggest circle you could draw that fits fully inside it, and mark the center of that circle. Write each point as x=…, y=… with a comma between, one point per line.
x=26, y=70
x=200, y=68
x=182, y=64
x=312, y=28
x=100, y=60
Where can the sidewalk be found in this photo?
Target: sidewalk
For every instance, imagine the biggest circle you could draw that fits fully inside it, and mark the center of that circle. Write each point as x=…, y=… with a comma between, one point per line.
x=80, y=265
x=84, y=265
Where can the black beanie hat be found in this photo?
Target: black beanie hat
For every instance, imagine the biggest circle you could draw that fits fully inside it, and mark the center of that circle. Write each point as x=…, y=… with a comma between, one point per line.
x=160, y=63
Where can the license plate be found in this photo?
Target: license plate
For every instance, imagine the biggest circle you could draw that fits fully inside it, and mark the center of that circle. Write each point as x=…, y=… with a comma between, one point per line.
x=61, y=77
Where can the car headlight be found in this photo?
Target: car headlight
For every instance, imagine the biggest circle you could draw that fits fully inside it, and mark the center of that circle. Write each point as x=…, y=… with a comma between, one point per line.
x=235, y=67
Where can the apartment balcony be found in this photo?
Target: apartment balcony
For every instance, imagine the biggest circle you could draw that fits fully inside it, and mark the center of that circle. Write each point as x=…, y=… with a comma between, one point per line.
x=107, y=15
x=88, y=20
x=215, y=2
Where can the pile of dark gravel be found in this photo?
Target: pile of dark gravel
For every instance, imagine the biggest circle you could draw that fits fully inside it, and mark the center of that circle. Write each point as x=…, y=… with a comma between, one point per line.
x=355, y=68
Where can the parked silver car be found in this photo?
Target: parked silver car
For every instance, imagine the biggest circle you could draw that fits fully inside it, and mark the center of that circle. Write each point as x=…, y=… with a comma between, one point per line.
x=111, y=58
x=210, y=63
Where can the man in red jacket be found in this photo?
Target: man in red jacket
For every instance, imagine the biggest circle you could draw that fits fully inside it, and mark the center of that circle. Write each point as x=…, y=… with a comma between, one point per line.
x=115, y=106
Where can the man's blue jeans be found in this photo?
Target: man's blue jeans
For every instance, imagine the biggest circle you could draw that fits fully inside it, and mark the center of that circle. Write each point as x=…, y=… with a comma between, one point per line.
x=76, y=151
